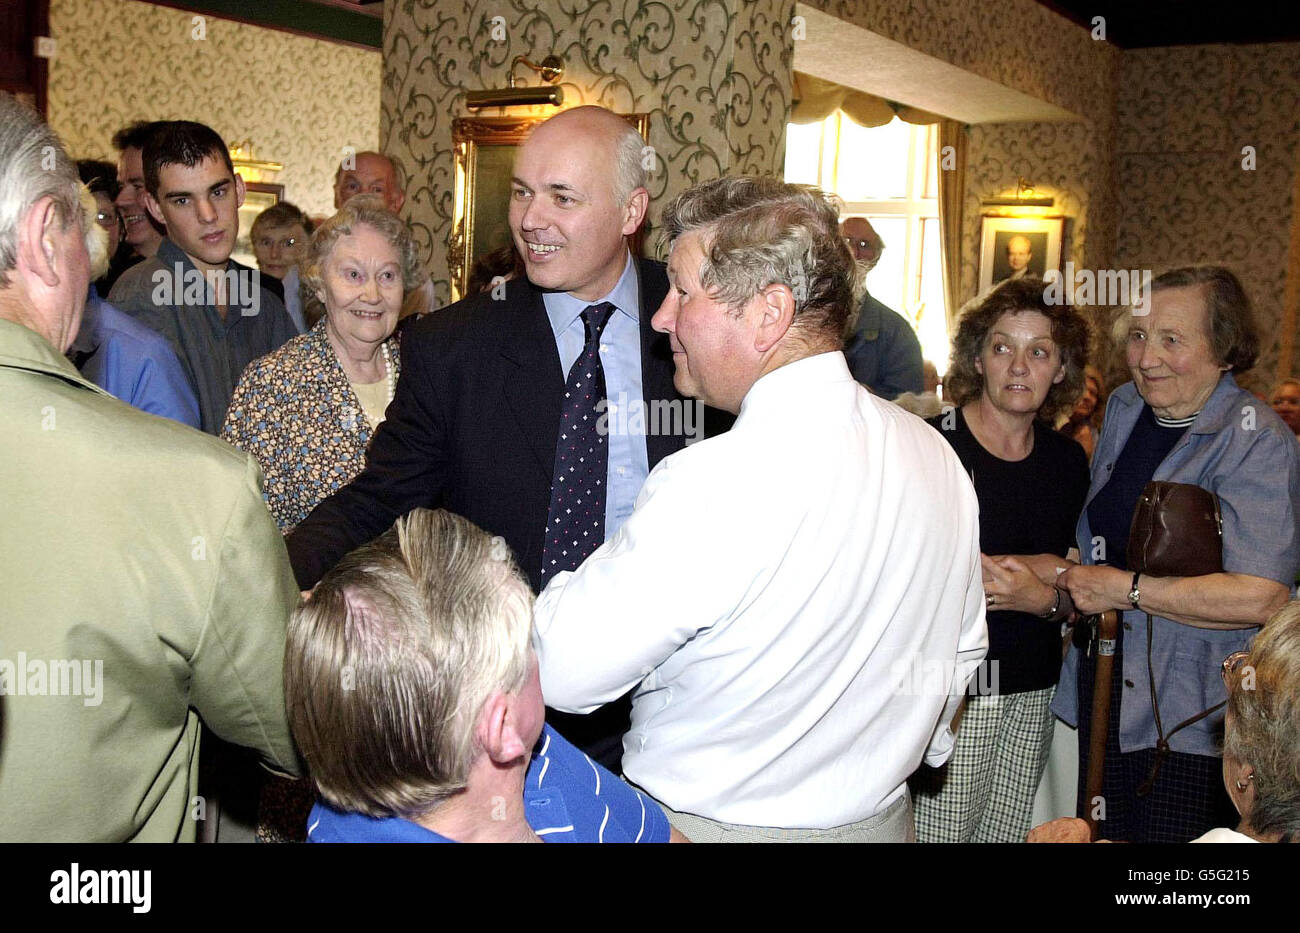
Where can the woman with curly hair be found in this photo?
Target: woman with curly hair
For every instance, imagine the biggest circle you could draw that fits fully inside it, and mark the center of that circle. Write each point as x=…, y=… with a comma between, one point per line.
x=1017, y=361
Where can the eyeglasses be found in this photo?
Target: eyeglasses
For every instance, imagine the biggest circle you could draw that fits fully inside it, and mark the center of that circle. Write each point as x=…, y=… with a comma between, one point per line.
x=267, y=242
x=1232, y=665
x=858, y=244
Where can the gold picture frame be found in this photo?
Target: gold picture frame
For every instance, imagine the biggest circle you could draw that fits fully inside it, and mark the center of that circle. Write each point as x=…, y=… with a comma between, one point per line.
x=484, y=150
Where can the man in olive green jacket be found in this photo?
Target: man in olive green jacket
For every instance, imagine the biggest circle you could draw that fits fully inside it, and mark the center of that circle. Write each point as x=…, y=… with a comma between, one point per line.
x=143, y=584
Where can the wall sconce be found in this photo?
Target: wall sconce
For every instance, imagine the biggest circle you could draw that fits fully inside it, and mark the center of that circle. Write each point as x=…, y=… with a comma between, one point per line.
x=1024, y=197
x=551, y=70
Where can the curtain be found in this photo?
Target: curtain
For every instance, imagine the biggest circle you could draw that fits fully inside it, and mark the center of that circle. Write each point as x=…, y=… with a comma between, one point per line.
x=816, y=99
x=952, y=191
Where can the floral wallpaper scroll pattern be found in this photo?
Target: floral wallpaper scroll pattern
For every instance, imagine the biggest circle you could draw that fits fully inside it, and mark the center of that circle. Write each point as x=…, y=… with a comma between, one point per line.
x=300, y=100
x=1185, y=114
x=714, y=76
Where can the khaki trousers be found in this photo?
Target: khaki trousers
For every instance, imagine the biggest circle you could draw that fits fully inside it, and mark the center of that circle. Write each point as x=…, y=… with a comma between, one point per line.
x=893, y=824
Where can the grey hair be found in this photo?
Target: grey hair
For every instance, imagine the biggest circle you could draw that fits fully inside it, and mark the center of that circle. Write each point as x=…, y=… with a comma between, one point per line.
x=629, y=170
x=1265, y=729
x=388, y=665
x=33, y=165
x=760, y=230
x=364, y=210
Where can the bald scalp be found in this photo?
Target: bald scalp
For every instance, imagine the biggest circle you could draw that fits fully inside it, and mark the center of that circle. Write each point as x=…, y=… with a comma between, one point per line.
x=594, y=126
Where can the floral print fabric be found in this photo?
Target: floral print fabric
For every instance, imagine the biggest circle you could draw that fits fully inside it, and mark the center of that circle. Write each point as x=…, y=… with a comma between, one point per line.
x=295, y=412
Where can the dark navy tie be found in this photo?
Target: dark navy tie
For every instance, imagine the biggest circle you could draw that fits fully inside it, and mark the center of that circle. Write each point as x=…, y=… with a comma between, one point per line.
x=575, y=525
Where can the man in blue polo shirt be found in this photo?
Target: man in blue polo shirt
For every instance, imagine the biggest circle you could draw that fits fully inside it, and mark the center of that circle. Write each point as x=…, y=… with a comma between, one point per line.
x=416, y=701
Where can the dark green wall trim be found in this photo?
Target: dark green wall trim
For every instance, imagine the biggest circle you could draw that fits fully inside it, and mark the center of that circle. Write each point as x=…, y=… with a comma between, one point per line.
x=314, y=20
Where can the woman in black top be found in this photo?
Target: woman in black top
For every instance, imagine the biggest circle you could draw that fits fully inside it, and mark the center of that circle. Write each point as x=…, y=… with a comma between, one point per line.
x=1017, y=361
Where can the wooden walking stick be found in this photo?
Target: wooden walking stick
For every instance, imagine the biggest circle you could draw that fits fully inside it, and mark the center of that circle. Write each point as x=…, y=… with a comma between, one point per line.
x=1107, y=632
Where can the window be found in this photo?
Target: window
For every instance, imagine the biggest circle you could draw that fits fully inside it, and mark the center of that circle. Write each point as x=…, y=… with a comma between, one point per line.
x=887, y=174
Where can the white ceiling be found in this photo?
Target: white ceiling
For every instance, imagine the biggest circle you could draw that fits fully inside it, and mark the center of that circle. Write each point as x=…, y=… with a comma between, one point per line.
x=855, y=57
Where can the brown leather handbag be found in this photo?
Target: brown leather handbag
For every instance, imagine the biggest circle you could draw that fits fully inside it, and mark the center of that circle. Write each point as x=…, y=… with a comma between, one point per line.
x=1177, y=531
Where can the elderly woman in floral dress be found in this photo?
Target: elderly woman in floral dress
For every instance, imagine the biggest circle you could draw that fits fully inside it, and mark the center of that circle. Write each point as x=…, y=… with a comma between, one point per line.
x=308, y=410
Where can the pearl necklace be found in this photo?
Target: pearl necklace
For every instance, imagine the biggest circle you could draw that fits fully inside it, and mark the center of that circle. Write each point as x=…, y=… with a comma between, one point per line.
x=389, y=377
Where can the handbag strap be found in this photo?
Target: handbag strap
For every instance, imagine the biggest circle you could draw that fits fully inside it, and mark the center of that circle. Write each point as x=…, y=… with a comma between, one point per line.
x=1162, y=740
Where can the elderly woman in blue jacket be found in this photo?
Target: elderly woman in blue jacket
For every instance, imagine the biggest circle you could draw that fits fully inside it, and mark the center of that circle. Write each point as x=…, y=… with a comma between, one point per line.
x=1182, y=419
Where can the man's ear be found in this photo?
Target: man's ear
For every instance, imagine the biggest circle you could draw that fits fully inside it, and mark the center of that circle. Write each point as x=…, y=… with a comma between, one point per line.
x=154, y=208
x=776, y=309
x=37, y=249
x=634, y=210
x=399, y=198
x=240, y=190
x=497, y=730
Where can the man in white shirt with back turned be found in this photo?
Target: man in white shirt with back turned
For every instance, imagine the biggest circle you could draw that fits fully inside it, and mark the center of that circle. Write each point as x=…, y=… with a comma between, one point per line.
x=799, y=600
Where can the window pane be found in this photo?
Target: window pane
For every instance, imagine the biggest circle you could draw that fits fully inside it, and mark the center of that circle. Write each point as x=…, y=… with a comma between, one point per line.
x=932, y=327
x=873, y=162
x=802, y=152
x=931, y=141
x=885, y=282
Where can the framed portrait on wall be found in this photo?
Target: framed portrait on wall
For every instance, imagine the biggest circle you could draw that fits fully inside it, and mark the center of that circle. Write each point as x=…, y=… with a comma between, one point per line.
x=1011, y=247
x=484, y=150
x=258, y=196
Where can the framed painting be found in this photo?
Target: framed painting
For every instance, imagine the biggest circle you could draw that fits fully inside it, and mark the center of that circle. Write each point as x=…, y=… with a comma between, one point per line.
x=258, y=196
x=1012, y=247
x=484, y=150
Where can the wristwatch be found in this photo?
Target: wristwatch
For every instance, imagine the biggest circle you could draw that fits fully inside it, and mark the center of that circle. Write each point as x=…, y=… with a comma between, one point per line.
x=1134, y=594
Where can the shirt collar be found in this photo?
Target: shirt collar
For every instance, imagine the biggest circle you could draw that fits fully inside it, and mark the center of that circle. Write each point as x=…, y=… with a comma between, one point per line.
x=1219, y=408
x=88, y=337
x=23, y=348
x=563, y=309
x=169, y=254
x=788, y=385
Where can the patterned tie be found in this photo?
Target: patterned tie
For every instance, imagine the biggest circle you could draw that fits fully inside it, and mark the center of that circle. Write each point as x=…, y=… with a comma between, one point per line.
x=575, y=525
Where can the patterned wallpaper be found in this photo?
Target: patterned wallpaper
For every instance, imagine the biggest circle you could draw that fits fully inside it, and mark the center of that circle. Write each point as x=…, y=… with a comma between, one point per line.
x=300, y=100
x=1185, y=115
x=1071, y=162
x=714, y=75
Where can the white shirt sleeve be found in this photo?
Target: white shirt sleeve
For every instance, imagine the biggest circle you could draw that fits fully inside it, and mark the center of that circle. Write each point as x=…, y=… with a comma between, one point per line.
x=972, y=647
x=603, y=628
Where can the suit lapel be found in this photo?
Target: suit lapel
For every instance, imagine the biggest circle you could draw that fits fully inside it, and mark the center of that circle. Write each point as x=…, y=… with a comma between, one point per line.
x=533, y=385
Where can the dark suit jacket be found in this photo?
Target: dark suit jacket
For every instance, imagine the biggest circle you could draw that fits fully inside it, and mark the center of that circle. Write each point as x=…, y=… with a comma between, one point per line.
x=473, y=427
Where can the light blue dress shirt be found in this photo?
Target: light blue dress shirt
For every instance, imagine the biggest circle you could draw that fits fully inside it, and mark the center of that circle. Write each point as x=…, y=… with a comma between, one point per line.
x=620, y=356
x=129, y=360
